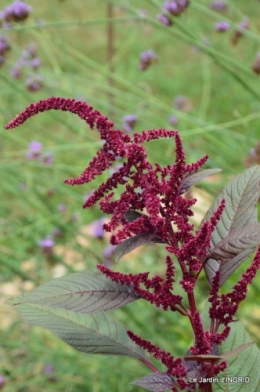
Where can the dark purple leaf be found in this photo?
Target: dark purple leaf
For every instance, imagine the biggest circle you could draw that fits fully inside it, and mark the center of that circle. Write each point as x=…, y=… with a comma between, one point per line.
x=241, y=196
x=156, y=382
x=234, y=249
x=131, y=216
x=82, y=292
x=189, y=180
x=134, y=242
x=227, y=268
x=90, y=333
x=236, y=242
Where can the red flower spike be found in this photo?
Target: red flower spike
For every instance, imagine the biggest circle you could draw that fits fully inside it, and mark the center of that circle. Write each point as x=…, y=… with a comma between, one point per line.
x=82, y=109
x=174, y=367
x=202, y=343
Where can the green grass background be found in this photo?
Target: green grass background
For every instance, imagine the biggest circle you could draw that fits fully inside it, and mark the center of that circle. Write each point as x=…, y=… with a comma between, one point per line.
x=194, y=61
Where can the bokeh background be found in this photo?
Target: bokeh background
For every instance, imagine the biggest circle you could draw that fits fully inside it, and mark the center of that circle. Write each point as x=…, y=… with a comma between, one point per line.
x=144, y=68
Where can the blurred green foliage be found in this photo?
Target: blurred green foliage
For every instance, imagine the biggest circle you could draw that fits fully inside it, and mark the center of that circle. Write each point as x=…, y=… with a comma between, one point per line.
x=222, y=120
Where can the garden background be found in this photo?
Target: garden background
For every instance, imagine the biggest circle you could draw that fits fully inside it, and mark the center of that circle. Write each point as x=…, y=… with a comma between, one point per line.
x=202, y=79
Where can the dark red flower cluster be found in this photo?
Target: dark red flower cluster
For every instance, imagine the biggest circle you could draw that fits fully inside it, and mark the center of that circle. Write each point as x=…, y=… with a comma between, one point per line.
x=224, y=306
x=161, y=295
x=175, y=367
x=154, y=194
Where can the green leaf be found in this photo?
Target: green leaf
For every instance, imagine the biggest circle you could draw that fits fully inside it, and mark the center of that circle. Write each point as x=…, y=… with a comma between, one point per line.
x=241, y=196
x=156, y=382
x=243, y=364
x=81, y=292
x=236, y=351
x=134, y=242
x=189, y=180
x=93, y=333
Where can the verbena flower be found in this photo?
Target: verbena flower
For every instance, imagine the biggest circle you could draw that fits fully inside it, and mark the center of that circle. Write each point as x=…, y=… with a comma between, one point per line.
x=146, y=59
x=46, y=246
x=97, y=228
x=2, y=381
x=218, y=5
x=34, y=150
x=47, y=158
x=16, y=12
x=173, y=120
x=244, y=25
x=175, y=7
x=164, y=19
x=34, y=82
x=222, y=26
x=129, y=121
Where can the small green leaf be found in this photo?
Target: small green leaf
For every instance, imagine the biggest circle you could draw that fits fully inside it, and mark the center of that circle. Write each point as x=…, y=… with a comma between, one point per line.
x=93, y=333
x=81, y=292
x=134, y=242
x=156, y=382
x=241, y=196
x=189, y=180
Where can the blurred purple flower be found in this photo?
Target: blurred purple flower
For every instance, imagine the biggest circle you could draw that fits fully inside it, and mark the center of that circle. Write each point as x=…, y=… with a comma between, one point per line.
x=15, y=73
x=34, y=150
x=175, y=7
x=183, y=103
x=129, y=121
x=164, y=19
x=108, y=253
x=49, y=371
x=47, y=158
x=46, y=245
x=171, y=6
x=4, y=46
x=30, y=51
x=219, y=5
x=97, y=226
x=49, y=368
x=146, y=59
x=173, y=120
x=2, y=381
x=36, y=62
x=222, y=26
x=34, y=82
x=244, y=25
x=62, y=207
x=16, y=12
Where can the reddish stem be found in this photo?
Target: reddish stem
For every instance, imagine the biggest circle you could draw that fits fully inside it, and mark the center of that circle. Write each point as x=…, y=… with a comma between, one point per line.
x=150, y=365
